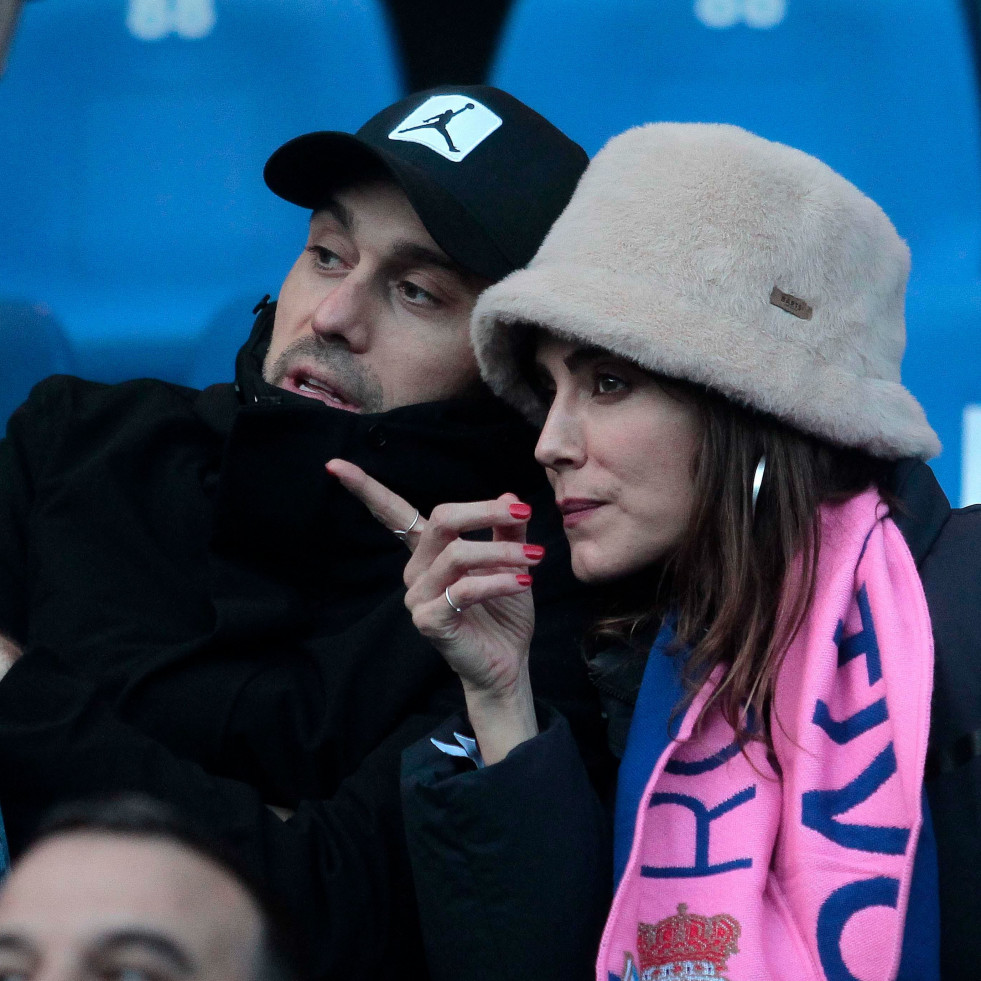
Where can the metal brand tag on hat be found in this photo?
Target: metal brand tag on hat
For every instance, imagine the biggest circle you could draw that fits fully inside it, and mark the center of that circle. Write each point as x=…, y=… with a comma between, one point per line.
x=452, y=125
x=792, y=304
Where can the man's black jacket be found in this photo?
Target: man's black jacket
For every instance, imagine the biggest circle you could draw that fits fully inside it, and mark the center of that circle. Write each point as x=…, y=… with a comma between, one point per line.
x=210, y=618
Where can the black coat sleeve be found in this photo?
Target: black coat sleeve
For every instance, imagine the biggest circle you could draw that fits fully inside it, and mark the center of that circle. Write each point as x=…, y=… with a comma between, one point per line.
x=512, y=863
x=16, y=492
x=68, y=729
x=952, y=581
x=339, y=866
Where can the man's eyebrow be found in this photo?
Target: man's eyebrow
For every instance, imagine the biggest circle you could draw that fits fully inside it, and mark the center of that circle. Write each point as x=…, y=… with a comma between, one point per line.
x=411, y=253
x=153, y=940
x=341, y=214
x=14, y=944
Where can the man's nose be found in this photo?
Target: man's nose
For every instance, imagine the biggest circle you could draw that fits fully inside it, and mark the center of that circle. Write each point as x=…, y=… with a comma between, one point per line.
x=562, y=443
x=346, y=312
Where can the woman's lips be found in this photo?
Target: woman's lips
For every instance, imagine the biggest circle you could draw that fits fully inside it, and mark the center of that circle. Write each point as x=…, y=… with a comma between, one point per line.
x=577, y=510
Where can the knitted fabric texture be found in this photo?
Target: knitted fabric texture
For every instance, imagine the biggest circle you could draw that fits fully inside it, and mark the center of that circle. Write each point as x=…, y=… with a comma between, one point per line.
x=705, y=253
x=741, y=871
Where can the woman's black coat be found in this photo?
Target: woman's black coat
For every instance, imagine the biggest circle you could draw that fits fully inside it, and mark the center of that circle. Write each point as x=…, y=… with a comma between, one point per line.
x=513, y=863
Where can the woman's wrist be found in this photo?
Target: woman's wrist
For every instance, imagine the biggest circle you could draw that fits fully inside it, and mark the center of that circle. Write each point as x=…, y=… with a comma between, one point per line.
x=502, y=720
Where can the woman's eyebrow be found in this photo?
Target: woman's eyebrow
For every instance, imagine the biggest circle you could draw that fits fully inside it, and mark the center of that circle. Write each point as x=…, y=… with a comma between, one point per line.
x=585, y=355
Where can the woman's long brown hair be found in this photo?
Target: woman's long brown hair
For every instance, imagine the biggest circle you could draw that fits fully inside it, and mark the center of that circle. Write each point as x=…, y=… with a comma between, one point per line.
x=725, y=583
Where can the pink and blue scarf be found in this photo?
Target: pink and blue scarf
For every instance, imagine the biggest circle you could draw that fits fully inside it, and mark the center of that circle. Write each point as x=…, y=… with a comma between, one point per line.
x=736, y=872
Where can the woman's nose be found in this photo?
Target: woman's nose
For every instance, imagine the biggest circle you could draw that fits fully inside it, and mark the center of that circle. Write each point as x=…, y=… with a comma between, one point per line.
x=562, y=441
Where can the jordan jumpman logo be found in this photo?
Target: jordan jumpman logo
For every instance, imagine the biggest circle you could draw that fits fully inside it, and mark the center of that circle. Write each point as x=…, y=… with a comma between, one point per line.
x=440, y=124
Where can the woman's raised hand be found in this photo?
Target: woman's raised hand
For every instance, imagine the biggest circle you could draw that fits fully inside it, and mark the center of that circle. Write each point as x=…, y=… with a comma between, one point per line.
x=472, y=599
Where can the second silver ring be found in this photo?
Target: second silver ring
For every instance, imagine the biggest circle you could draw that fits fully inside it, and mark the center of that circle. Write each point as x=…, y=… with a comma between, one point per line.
x=446, y=593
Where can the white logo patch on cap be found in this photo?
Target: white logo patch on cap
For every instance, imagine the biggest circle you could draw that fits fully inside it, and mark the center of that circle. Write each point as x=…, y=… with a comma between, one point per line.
x=452, y=125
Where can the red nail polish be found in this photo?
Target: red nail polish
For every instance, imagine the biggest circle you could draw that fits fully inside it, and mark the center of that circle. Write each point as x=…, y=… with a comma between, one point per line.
x=524, y=579
x=534, y=551
x=520, y=510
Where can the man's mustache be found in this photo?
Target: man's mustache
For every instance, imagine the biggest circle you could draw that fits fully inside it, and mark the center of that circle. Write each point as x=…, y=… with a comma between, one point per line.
x=360, y=385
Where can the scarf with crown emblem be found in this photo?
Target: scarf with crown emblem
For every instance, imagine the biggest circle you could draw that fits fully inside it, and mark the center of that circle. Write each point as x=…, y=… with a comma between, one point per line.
x=736, y=872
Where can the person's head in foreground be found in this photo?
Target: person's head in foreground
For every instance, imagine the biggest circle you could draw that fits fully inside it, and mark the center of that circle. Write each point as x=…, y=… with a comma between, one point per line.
x=714, y=317
x=432, y=200
x=123, y=889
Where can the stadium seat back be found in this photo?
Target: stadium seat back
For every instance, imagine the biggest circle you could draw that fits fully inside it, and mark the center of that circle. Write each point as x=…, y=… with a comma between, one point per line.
x=32, y=346
x=217, y=346
x=135, y=132
x=882, y=90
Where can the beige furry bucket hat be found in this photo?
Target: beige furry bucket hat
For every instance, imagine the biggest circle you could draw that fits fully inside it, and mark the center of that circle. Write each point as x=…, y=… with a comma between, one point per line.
x=706, y=253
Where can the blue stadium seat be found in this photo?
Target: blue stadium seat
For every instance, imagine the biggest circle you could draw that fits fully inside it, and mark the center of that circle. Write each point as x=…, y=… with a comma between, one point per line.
x=134, y=135
x=884, y=91
x=32, y=346
x=943, y=369
x=213, y=359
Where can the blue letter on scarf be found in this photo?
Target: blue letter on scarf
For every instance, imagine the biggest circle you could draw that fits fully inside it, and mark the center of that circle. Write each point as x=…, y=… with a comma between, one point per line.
x=838, y=909
x=703, y=820
x=855, y=725
x=819, y=808
x=864, y=642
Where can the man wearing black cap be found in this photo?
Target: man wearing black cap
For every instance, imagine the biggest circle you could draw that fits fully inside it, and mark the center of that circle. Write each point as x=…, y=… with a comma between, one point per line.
x=204, y=615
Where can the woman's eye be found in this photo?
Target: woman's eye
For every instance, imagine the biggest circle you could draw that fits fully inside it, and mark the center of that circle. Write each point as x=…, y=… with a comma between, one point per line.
x=607, y=384
x=324, y=258
x=416, y=294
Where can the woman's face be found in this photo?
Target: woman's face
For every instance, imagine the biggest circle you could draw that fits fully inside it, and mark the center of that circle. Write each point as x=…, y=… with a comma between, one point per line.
x=619, y=451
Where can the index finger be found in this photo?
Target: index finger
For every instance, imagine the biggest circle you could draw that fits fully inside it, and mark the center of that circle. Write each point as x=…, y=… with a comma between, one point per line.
x=394, y=512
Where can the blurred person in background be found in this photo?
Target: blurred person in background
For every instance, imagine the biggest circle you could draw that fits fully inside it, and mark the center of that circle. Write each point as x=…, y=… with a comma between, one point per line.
x=193, y=609
x=123, y=888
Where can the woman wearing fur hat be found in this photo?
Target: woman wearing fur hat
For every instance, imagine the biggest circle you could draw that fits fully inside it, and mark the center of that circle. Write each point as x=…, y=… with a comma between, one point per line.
x=710, y=338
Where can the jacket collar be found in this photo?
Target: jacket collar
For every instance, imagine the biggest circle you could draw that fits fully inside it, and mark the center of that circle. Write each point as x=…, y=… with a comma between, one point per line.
x=924, y=506
x=276, y=443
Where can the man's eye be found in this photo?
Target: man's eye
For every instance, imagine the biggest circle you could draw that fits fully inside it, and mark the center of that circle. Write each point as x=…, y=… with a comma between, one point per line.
x=607, y=384
x=416, y=294
x=324, y=258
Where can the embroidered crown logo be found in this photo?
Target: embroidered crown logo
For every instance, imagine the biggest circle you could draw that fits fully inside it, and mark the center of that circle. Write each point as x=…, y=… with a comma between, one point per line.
x=685, y=946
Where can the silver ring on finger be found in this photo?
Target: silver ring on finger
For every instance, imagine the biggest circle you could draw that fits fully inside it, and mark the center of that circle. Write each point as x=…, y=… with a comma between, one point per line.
x=403, y=533
x=453, y=606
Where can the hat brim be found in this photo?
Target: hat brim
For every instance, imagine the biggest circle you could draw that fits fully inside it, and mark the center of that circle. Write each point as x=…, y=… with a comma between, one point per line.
x=873, y=414
x=307, y=170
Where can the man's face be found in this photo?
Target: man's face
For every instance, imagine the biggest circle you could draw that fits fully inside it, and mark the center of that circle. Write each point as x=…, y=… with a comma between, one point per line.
x=373, y=315
x=87, y=906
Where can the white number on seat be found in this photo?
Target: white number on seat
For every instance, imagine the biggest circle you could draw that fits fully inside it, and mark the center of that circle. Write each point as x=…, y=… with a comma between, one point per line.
x=194, y=18
x=761, y=14
x=971, y=456
x=151, y=20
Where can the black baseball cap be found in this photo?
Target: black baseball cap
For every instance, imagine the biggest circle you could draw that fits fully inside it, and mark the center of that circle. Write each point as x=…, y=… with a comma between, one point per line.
x=486, y=175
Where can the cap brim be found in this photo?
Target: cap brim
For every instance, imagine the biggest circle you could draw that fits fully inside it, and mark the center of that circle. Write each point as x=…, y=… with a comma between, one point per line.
x=308, y=169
